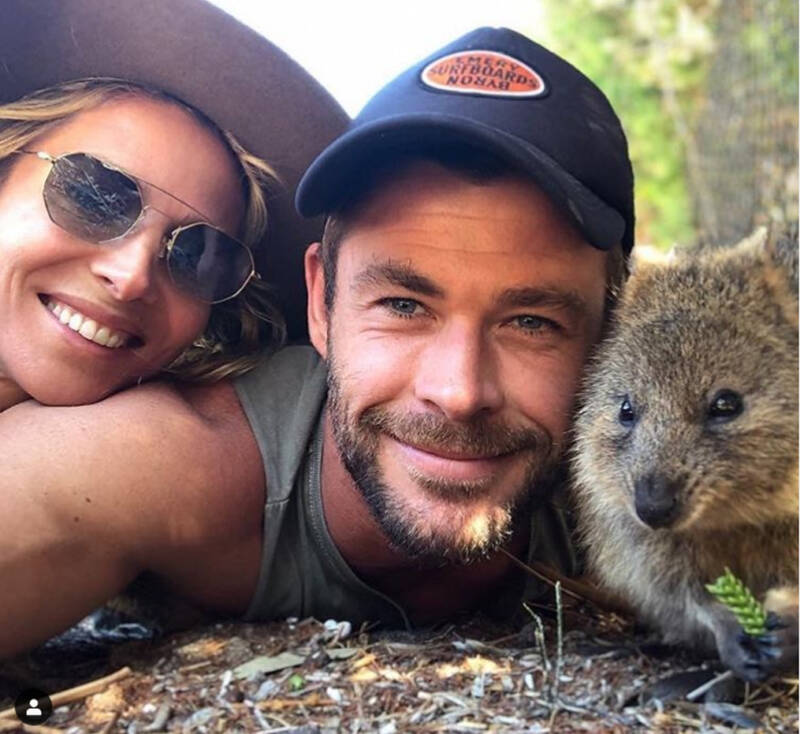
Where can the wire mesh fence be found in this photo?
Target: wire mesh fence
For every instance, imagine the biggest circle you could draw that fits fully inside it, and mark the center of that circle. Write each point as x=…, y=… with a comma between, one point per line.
x=744, y=168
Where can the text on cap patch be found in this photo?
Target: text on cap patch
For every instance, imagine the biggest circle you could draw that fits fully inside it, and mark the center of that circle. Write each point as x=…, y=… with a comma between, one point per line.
x=483, y=72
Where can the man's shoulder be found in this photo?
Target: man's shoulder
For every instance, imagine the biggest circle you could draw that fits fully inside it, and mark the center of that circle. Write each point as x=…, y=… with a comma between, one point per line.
x=286, y=369
x=282, y=398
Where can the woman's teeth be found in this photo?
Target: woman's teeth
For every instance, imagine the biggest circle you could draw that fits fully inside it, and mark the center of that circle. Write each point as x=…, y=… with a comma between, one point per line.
x=86, y=327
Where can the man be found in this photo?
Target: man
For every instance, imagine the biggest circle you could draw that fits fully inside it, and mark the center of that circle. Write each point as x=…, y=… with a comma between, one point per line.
x=479, y=210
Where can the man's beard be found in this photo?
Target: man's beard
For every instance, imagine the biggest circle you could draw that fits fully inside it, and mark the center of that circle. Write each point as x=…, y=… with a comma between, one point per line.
x=358, y=442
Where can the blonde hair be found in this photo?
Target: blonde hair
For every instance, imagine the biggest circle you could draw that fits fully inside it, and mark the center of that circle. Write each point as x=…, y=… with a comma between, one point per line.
x=238, y=329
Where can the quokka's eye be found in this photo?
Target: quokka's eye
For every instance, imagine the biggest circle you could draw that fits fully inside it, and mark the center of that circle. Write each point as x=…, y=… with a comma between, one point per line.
x=725, y=406
x=627, y=415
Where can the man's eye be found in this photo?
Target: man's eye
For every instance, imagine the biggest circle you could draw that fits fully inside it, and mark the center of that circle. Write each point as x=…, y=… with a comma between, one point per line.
x=532, y=323
x=401, y=306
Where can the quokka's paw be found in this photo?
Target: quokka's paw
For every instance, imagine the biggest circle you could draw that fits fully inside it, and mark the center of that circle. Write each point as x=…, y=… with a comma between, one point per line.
x=755, y=658
x=778, y=645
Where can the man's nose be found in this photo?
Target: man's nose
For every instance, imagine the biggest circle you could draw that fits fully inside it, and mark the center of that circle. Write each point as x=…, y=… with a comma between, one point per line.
x=458, y=374
x=128, y=268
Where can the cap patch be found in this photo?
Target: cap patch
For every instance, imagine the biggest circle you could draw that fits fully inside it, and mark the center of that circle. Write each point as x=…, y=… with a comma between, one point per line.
x=483, y=72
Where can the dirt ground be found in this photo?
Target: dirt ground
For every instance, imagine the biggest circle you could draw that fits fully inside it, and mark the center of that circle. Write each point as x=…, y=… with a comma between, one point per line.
x=590, y=672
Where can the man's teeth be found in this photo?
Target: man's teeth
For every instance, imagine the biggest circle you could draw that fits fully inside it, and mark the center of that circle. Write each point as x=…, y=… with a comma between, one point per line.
x=86, y=327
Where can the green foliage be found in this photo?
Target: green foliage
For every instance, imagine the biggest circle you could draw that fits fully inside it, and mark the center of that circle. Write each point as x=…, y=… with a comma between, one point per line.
x=699, y=85
x=296, y=682
x=738, y=598
x=632, y=49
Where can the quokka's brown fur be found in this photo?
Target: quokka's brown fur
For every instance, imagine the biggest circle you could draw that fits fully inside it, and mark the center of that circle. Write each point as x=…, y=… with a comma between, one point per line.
x=676, y=485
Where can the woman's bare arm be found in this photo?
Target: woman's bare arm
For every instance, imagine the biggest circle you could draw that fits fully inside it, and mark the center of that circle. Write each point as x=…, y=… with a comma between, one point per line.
x=146, y=480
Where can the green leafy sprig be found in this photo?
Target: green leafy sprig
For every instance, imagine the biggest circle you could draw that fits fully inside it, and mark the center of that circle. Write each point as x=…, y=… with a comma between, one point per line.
x=740, y=600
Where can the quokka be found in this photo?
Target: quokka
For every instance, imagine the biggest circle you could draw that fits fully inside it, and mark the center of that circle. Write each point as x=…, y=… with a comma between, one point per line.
x=686, y=449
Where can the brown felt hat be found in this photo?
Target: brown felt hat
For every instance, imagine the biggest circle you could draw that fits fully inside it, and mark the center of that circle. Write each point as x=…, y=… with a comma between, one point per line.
x=198, y=53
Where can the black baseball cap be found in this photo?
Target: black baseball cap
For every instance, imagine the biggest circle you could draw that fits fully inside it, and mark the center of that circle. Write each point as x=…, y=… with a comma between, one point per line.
x=499, y=91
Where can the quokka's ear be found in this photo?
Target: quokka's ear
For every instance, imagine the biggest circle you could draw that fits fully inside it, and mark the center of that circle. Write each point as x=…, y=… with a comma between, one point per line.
x=781, y=248
x=753, y=243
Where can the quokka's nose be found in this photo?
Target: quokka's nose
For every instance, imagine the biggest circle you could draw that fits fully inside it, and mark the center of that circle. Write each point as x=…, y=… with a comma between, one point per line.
x=656, y=499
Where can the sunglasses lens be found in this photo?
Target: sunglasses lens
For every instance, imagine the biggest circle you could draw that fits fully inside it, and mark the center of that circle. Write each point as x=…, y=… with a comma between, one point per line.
x=208, y=263
x=90, y=200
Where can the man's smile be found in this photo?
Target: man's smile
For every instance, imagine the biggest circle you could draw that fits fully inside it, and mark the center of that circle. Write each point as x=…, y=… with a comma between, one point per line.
x=449, y=464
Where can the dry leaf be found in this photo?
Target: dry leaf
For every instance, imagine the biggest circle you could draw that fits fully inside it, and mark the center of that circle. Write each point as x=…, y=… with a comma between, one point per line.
x=472, y=665
x=361, y=662
x=264, y=664
x=280, y=704
x=341, y=653
x=364, y=676
x=201, y=649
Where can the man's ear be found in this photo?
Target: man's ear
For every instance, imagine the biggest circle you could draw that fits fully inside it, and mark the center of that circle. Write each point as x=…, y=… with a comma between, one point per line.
x=317, y=310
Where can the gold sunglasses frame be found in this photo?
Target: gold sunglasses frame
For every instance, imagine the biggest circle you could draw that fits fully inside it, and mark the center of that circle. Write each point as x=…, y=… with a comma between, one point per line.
x=169, y=238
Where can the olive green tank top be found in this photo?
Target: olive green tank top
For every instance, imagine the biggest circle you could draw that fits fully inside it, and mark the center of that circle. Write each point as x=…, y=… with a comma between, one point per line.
x=302, y=572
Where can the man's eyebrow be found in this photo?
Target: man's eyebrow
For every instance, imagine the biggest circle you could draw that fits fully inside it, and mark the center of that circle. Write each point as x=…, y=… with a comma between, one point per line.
x=532, y=297
x=398, y=274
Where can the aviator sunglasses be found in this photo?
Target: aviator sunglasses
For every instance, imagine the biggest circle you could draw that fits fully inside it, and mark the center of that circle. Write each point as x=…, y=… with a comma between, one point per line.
x=100, y=203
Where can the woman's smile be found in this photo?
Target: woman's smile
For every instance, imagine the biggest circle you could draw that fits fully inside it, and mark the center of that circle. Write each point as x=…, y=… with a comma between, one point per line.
x=96, y=330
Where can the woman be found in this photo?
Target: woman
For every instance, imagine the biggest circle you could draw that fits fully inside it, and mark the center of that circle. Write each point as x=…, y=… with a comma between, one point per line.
x=101, y=281
x=128, y=218
x=136, y=209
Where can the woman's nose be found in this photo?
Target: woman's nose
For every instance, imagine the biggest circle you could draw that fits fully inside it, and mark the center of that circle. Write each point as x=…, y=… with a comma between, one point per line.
x=129, y=267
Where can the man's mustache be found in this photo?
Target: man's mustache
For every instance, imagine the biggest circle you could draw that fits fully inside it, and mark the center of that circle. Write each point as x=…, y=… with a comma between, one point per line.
x=478, y=437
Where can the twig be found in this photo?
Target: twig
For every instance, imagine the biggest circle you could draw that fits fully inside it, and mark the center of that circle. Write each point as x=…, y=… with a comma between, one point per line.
x=552, y=720
x=16, y=726
x=88, y=689
x=539, y=635
x=161, y=718
x=269, y=715
x=559, y=640
x=194, y=666
x=78, y=692
x=766, y=694
x=110, y=723
x=576, y=589
x=700, y=690
x=259, y=717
